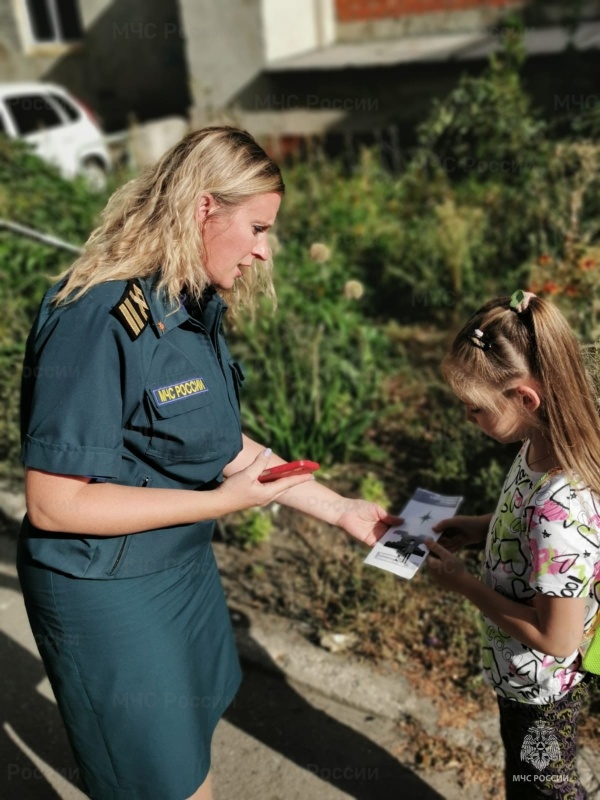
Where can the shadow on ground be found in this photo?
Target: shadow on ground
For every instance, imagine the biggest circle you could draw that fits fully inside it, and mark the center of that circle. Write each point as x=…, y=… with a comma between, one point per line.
x=29, y=720
x=266, y=707
x=270, y=710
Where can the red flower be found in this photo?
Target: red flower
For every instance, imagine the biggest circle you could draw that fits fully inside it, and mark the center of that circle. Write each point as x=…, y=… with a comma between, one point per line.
x=571, y=291
x=587, y=263
x=543, y=259
x=550, y=287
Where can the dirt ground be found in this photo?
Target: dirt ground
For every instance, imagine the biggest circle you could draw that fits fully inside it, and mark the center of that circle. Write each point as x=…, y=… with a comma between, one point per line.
x=311, y=574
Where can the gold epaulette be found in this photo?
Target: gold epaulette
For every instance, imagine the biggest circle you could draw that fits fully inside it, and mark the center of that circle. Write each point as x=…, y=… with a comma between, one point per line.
x=132, y=310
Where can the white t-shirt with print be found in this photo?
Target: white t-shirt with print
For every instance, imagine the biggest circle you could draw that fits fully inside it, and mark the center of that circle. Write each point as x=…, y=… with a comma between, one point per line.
x=542, y=540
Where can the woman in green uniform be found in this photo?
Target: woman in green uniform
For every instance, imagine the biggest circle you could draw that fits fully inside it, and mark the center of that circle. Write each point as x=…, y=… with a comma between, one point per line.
x=133, y=446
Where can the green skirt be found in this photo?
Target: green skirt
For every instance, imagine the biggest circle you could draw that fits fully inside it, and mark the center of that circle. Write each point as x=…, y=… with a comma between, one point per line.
x=142, y=669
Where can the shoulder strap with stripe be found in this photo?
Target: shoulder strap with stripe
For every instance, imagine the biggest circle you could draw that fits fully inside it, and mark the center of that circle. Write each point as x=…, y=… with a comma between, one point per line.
x=132, y=310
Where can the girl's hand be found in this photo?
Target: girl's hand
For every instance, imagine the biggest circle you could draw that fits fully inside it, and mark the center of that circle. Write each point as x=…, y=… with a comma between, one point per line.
x=446, y=569
x=462, y=530
x=366, y=521
x=243, y=489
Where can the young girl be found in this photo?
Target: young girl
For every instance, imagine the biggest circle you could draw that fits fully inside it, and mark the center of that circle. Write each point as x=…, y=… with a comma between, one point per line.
x=518, y=370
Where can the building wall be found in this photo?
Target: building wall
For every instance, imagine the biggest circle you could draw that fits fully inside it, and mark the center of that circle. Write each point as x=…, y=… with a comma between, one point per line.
x=8, y=36
x=20, y=58
x=230, y=43
x=224, y=50
x=296, y=25
x=384, y=104
x=352, y=10
x=130, y=64
x=16, y=64
x=358, y=20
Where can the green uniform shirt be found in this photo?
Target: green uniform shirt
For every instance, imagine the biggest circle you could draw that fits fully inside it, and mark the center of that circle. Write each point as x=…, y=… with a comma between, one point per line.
x=119, y=387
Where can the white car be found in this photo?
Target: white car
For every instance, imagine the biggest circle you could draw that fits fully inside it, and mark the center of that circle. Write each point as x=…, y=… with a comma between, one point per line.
x=60, y=128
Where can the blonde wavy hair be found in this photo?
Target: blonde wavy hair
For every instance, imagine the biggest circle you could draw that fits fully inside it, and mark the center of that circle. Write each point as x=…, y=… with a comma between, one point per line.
x=149, y=225
x=482, y=368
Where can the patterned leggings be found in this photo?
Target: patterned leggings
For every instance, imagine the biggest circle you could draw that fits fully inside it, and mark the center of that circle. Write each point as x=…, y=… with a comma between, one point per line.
x=540, y=743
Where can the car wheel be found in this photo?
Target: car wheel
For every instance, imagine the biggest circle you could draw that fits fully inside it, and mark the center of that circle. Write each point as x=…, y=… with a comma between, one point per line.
x=94, y=175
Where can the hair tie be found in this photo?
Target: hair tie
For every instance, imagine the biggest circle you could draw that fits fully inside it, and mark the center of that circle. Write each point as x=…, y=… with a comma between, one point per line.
x=478, y=339
x=520, y=300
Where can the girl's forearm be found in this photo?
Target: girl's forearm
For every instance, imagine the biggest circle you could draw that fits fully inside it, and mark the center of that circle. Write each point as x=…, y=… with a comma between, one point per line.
x=516, y=619
x=525, y=623
x=483, y=521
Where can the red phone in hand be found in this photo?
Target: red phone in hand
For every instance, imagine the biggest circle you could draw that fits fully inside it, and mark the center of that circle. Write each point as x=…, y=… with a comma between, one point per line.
x=286, y=470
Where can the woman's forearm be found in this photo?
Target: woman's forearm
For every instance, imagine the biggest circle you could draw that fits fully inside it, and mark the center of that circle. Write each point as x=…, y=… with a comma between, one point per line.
x=309, y=498
x=71, y=504
x=317, y=501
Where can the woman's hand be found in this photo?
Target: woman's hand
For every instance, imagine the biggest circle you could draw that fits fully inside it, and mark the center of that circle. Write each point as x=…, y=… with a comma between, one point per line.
x=366, y=521
x=447, y=570
x=242, y=489
x=462, y=530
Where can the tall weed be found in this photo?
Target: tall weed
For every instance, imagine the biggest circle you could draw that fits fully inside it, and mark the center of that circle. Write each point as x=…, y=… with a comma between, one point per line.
x=31, y=193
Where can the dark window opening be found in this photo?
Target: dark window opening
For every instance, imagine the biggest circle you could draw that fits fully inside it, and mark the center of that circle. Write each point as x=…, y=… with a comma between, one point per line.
x=54, y=20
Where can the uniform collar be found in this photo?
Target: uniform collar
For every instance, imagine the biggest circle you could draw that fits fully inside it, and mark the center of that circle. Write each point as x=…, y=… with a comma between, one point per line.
x=164, y=317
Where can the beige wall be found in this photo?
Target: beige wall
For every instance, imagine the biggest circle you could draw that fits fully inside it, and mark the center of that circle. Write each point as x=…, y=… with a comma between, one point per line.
x=224, y=51
x=294, y=26
x=228, y=45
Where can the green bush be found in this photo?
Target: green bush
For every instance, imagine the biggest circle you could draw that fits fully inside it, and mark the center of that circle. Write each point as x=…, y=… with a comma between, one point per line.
x=486, y=127
x=315, y=386
x=251, y=527
x=33, y=194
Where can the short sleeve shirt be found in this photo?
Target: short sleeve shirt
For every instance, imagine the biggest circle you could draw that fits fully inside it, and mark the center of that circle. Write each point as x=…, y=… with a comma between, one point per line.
x=543, y=538
x=120, y=387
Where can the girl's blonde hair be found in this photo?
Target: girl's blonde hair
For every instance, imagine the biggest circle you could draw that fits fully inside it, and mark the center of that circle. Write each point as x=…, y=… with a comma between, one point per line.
x=498, y=348
x=149, y=225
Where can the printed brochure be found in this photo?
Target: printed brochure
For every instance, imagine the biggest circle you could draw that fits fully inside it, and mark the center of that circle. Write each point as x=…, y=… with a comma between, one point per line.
x=401, y=549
